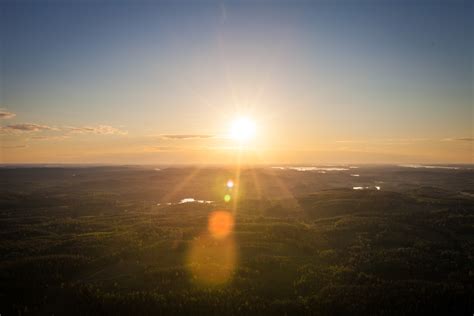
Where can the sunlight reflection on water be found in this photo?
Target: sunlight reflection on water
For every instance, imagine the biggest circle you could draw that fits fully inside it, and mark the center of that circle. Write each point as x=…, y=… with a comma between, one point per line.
x=322, y=169
x=367, y=188
x=192, y=200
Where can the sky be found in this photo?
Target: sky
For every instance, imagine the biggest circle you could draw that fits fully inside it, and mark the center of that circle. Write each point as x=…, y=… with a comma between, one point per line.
x=149, y=82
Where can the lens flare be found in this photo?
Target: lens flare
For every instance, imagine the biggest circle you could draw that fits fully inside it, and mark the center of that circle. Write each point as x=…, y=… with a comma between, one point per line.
x=212, y=262
x=212, y=258
x=227, y=198
x=230, y=184
x=220, y=224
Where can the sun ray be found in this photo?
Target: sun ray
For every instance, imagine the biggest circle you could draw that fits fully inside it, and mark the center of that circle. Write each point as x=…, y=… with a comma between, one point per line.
x=284, y=189
x=177, y=189
x=256, y=183
x=237, y=182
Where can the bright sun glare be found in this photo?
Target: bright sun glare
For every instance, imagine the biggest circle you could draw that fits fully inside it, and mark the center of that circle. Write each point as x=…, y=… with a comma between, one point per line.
x=243, y=129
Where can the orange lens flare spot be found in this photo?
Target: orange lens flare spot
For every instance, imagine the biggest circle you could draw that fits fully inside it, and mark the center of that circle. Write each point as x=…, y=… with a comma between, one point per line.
x=220, y=224
x=212, y=262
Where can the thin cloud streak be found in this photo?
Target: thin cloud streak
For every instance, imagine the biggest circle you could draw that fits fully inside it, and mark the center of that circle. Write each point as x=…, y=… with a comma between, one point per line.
x=60, y=137
x=5, y=115
x=185, y=136
x=26, y=128
x=13, y=147
x=466, y=139
x=384, y=140
x=162, y=149
x=100, y=130
x=65, y=131
x=462, y=139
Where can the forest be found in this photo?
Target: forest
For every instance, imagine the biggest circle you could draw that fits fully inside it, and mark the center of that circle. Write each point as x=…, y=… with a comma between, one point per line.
x=121, y=241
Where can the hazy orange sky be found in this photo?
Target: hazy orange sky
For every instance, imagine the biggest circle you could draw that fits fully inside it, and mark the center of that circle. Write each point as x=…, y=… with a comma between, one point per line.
x=324, y=82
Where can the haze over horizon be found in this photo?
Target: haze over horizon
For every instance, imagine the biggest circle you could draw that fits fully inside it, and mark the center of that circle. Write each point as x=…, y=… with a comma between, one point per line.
x=229, y=81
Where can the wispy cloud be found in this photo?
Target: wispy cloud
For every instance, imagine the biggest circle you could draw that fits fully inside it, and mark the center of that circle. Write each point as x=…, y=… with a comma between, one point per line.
x=60, y=133
x=351, y=141
x=26, y=128
x=162, y=148
x=466, y=139
x=13, y=146
x=385, y=141
x=178, y=148
x=185, y=136
x=58, y=137
x=462, y=139
x=100, y=129
x=5, y=115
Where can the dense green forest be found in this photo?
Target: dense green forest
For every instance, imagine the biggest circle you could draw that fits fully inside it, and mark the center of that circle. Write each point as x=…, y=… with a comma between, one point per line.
x=112, y=241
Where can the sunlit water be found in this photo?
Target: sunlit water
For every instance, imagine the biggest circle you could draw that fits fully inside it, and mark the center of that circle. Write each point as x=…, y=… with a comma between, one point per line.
x=319, y=169
x=192, y=200
x=367, y=188
x=187, y=200
x=429, y=167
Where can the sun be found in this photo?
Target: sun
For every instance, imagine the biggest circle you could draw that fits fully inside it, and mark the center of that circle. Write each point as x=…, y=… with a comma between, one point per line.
x=243, y=129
